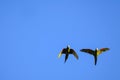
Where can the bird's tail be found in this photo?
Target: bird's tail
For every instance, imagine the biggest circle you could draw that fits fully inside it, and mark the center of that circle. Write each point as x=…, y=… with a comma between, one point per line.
x=95, y=58
x=66, y=57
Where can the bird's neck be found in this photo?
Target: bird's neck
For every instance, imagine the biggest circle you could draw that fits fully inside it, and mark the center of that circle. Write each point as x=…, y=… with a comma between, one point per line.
x=68, y=49
x=96, y=51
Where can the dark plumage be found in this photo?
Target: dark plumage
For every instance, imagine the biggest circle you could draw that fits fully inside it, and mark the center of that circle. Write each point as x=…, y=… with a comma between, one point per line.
x=95, y=52
x=67, y=51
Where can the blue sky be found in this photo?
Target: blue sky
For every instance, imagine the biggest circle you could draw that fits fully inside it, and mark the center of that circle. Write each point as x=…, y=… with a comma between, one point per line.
x=33, y=32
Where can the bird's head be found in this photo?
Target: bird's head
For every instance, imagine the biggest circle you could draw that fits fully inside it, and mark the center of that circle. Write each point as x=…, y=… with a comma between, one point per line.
x=68, y=46
x=96, y=49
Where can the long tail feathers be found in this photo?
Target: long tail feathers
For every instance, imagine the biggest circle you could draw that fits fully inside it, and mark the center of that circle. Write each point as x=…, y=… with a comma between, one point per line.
x=66, y=57
x=95, y=57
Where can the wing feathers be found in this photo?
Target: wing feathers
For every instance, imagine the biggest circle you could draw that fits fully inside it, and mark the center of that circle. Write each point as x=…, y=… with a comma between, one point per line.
x=60, y=54
x=74, y=53
x=87, y=51
x=102, y=50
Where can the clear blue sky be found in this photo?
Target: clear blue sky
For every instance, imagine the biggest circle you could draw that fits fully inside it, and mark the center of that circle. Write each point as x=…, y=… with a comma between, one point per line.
x=33, y=32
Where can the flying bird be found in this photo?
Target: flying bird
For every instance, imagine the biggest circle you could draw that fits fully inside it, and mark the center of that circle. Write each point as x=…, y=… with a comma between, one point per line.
x=67, y=51
x=95, y=52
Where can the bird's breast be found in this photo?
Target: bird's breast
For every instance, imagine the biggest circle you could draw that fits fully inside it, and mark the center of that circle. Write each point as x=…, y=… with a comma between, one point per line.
x=68, y=50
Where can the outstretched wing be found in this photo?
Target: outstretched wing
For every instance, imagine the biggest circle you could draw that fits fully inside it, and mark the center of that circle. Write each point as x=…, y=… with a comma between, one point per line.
x=87, y=51
x=63, y=51
x=74, y=53
x=102, y=50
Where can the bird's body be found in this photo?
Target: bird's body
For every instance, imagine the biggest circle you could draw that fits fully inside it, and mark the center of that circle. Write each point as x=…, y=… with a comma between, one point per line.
x=95, y=52
x=67, y=51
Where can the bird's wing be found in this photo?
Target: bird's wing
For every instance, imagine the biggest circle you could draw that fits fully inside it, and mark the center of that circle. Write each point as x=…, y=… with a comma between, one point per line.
x=102, y=50
x=74, y=53
x=63, y=51
x=87, y=51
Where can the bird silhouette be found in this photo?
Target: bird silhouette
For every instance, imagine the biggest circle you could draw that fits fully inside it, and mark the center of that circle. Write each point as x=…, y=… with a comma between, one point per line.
x=67, y=51
x=95, y=52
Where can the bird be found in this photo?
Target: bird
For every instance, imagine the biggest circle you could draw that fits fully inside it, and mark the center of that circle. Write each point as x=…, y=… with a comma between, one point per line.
x=67, y=51
x=95, y=52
